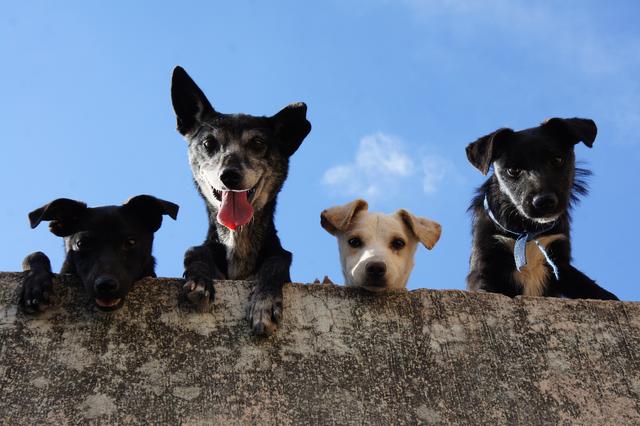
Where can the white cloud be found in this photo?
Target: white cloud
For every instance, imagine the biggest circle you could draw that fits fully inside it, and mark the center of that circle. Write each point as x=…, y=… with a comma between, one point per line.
x=434, y=169
x=381, y=153
x=383, y=165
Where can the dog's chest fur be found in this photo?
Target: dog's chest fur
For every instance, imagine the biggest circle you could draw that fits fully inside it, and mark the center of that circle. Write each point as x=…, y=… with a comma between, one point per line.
x=534, y=276
x=241, y=254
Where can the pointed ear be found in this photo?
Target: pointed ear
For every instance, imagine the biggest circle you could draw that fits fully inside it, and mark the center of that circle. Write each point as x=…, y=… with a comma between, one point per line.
x=292, y=126
x=337, y=219
x=189, y=102
x=481, y=152
x=574, y=129
x=149, y=210
x=64, y=216
x=427, y=231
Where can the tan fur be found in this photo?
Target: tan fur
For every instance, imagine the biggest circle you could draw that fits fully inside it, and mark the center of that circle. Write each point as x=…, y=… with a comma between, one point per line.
x=337, y=219
x=427, y=231
x=534, y=275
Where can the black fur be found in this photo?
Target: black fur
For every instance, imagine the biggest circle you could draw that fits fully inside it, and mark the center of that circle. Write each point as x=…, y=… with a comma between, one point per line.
x=242, y=153
x=108, y=248
x=532, y=164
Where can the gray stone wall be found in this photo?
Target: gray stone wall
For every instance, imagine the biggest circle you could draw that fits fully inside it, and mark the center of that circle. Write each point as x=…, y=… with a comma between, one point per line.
x=340, y=357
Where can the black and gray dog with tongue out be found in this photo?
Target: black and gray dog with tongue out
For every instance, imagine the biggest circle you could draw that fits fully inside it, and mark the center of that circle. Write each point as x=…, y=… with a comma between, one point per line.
x=239, y=164
x=521, y=224
x=108, y=248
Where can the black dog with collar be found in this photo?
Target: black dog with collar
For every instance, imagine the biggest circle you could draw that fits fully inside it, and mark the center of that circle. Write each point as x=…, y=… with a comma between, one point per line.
x=530, y=194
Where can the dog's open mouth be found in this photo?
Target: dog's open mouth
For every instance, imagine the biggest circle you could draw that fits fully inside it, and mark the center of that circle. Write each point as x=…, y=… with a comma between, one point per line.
x=109, y=304
x=235, y=209
x=218, y=193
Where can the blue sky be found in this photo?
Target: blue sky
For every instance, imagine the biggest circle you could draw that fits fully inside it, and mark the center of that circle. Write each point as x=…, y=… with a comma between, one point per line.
x=395, y=90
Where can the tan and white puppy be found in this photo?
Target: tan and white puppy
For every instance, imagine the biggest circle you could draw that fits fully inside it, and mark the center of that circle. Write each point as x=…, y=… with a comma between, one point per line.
x=377, y=249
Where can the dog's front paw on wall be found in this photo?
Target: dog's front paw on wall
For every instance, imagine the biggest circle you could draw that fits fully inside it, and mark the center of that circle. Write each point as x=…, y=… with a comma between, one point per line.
x=199, y=291
x=36, y=291
x=264, y=312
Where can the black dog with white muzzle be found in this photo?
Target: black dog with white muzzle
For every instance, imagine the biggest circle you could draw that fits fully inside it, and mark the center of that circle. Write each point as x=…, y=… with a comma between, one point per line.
x=239, y=164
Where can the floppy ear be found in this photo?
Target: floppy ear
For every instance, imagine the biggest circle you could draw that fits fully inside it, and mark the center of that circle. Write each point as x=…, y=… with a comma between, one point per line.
x=481, y=152
x=337, y=219
x=64, y=216
x=149, y=210
x=189, y=102
x=292, y=126
x=427, y=231
x=575, y=129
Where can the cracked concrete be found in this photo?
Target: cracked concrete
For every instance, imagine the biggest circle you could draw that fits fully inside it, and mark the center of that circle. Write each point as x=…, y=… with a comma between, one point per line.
x=340, y=357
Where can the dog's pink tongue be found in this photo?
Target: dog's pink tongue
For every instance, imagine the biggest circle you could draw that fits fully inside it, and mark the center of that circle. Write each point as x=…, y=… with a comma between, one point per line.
x=235, y=210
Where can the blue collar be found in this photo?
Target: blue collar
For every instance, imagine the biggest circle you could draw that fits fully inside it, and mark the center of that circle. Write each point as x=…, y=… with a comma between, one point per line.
x=520, y=247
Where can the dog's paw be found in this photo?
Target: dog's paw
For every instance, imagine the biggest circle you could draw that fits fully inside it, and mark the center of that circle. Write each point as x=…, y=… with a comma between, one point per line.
x=199, y=292
x=36, y=292
x=264, y=312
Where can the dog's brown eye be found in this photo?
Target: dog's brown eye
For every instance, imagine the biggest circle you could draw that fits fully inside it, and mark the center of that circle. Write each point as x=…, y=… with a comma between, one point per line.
x=398, y=243
x=210, y=143
x=514, y=173
x=355, y=242
x=81, y=244
x=130, y=242
x=558, y=161
x=257, y=144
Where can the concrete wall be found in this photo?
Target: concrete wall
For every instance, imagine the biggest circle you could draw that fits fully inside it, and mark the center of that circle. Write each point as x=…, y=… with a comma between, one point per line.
x=341, y=357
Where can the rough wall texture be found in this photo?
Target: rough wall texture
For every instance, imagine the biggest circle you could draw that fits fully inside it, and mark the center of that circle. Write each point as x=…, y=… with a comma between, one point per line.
x=341, y=357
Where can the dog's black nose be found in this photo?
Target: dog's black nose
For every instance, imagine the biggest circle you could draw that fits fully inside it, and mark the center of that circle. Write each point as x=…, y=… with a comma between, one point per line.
x=376, y=269
x=232, y=178
x=106, y=285
x=546, y=202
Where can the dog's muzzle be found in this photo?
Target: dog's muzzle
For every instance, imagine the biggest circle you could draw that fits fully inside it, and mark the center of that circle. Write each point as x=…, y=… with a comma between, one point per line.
x=106, y=290
x=231, y=178
x=545, y=204
x=375, y=273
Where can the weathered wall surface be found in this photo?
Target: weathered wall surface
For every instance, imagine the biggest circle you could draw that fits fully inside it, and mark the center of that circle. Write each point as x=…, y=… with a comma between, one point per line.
x=341, y=357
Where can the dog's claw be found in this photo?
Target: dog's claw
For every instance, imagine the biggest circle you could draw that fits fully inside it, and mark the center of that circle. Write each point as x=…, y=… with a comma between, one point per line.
x=36, y=291
x=277, y=314
x=197, y=293
x=264, y=313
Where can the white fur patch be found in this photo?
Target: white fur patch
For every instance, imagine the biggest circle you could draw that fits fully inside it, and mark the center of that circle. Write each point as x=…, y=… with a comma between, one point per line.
x=505, y=190
x=240, y=259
